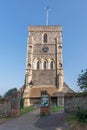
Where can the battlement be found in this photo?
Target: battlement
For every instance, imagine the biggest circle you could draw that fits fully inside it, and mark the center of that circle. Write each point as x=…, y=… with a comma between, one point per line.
x=50, y=28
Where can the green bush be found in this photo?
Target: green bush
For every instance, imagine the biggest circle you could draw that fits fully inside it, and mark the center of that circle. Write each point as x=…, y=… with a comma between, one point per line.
x=21, y=103
x=81, y=115
x=2, y=99
x=10, y=92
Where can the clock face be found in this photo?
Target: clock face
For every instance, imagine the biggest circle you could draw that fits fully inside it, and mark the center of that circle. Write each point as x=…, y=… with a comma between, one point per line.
x=45, y=49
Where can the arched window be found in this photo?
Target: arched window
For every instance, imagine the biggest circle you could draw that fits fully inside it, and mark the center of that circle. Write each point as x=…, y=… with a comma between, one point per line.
x=45, y=65
x=38, y=65
x=51, y=65
x=45, y=38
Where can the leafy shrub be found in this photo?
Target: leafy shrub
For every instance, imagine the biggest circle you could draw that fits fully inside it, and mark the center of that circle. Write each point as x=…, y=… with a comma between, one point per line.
x=10, y=92
x=81, y=115
x=21, y=103
x=2, y=99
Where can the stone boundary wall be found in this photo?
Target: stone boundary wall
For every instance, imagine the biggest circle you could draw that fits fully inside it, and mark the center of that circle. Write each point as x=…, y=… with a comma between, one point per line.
x=10, y=106
x=5, y=107
x=75, y=101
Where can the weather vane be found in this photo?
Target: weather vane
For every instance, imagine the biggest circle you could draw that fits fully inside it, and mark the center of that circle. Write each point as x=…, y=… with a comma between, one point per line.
x=47, y=14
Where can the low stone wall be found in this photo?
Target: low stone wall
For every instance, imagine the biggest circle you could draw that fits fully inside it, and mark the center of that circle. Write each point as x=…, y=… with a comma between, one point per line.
x=5, y=107
x=75, y=101
x=10, y=106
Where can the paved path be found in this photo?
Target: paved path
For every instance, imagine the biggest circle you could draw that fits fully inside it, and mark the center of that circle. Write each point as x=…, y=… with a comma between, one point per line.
x=25, y=122
x=54, y=121
x=32, y=121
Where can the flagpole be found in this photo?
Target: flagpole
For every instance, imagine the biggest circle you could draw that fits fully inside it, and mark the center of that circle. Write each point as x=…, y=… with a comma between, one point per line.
x=47, y=14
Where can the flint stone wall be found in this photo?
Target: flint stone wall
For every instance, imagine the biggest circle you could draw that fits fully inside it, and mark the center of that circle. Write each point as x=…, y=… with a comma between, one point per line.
x=73, y=102
x=5, y=107
x=10, y=106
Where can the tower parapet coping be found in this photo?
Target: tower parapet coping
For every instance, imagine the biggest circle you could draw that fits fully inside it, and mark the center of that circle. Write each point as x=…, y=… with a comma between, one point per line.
x=53, y=28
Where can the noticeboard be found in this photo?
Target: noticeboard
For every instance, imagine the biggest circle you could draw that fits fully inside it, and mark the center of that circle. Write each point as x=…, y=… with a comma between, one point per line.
x=44, y=100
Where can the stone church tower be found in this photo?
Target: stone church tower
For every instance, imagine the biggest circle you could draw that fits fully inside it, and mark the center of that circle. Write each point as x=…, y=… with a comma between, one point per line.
x=44, y=65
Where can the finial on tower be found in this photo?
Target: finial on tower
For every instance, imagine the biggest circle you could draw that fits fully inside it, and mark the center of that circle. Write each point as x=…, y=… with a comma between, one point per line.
x=47, y=14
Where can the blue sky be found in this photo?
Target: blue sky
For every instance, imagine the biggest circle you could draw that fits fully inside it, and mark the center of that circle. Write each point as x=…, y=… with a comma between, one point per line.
x=17, y=15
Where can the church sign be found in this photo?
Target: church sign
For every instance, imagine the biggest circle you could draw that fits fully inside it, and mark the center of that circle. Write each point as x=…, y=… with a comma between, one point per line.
x=44, y=100
x=45, y=103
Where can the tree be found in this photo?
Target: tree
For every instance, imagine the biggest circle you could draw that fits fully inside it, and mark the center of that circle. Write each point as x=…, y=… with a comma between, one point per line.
x=82, y=80
x=9, y=92
x=0, y=96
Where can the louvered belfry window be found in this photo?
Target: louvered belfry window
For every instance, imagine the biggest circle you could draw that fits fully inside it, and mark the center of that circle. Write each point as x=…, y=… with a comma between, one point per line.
x=45, y=38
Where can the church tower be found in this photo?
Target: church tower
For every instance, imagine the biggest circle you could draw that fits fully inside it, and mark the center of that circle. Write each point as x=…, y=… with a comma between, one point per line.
x=44, y=64
x=44, y=56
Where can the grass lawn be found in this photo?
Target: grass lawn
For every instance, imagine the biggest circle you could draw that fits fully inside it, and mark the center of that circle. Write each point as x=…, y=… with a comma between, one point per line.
x=75, y=125
x=26, y=109
x=3, y=119
x=56, y=108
